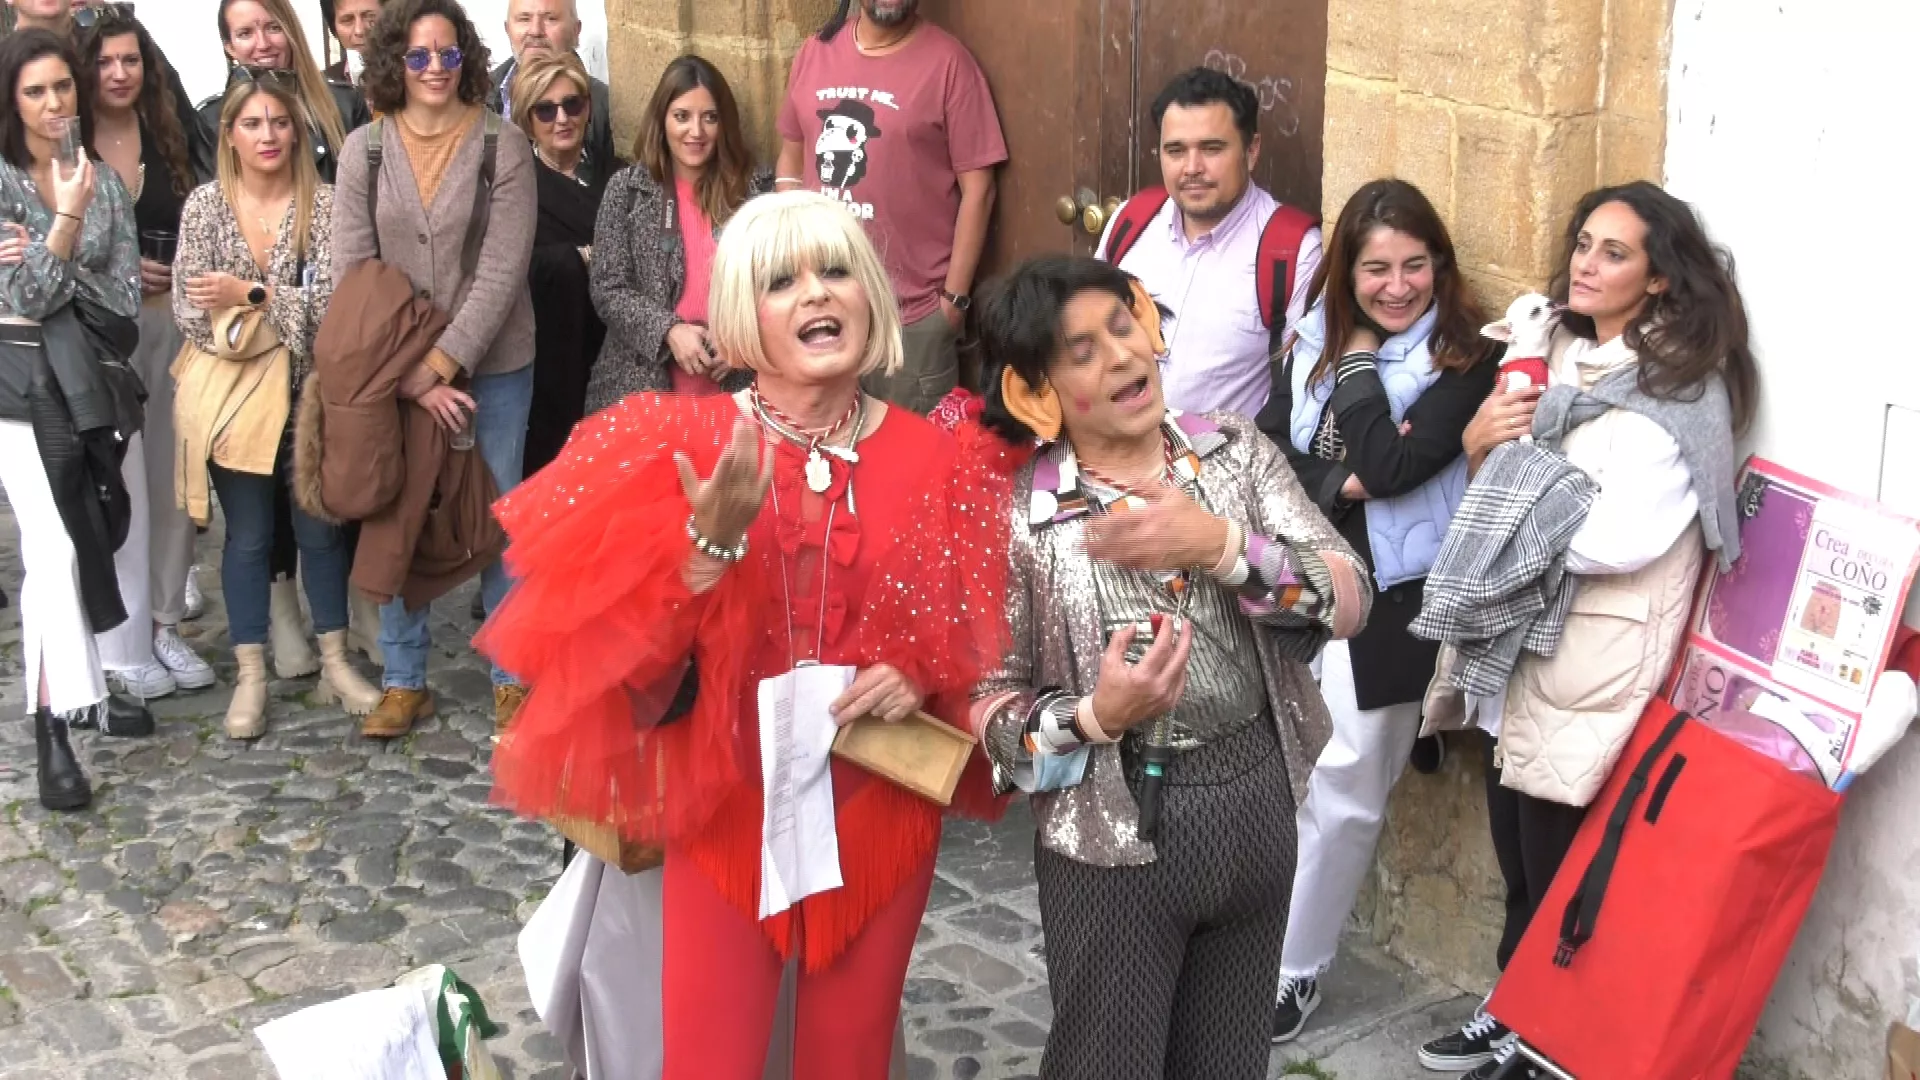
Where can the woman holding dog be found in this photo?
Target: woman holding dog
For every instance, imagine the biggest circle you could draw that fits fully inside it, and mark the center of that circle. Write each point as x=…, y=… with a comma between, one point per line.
x=1654, y=329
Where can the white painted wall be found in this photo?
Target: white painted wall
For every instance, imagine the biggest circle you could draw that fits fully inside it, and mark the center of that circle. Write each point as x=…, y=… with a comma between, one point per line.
x=186, y=31
x=1786, y=129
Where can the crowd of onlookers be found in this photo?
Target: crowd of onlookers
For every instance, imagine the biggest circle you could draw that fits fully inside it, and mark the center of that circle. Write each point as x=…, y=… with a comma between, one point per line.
x=221, y=305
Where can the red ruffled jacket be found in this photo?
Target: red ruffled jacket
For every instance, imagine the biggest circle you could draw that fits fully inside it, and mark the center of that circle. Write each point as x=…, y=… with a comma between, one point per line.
x=600, y=626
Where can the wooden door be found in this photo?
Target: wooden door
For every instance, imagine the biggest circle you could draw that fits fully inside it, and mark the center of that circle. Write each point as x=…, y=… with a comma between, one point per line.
x=1074, y=82
x=1049, y=64
x=1278, y=47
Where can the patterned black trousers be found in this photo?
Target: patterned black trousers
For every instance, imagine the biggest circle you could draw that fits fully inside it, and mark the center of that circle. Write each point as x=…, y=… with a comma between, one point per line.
x=1167, y=970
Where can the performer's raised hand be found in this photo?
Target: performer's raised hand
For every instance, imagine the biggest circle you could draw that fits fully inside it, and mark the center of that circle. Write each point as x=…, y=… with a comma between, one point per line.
x=725, y=504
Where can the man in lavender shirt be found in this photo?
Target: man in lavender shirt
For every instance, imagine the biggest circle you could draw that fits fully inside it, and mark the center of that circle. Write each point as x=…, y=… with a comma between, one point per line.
x=1198, y=254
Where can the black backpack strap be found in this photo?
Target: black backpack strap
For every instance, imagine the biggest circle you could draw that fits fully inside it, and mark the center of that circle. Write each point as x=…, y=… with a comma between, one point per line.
x=1583, y=910
x=376, y=150
x=482, y=198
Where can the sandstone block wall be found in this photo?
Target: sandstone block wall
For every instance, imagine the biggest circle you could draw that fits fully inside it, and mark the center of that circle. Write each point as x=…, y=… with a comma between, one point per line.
x=1504, y=112
x=752, y=42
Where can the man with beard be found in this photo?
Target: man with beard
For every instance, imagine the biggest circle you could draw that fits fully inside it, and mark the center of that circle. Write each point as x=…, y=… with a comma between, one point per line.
x=891, y=116
x=546, y=27
x=1201, y=252
x=61, y=17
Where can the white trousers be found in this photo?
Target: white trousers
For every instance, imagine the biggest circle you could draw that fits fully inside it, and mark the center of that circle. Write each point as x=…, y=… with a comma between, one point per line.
x=53, y=625
x=130, y=645
x=1341, y=818
x=170, y=533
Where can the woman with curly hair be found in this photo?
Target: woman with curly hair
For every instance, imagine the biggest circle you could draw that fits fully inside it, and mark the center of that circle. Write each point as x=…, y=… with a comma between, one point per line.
x=426, y=78
x=137, y=132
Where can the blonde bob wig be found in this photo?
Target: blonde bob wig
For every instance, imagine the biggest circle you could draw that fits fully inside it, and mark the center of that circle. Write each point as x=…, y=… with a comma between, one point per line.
x=776, y=236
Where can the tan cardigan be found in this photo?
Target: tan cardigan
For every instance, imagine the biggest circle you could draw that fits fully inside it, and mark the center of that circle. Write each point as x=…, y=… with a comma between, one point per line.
x=230, y=406
x=492, y=328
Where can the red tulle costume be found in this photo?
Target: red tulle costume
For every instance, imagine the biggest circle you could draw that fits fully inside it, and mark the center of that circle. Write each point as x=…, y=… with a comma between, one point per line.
x=600, y=625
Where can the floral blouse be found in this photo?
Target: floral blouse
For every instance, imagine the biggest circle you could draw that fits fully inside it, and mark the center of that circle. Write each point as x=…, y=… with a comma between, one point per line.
x=211, y=241
x=106, y=257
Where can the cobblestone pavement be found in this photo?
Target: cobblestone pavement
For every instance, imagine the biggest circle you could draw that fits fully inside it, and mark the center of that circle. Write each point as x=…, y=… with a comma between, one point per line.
x=214, y=885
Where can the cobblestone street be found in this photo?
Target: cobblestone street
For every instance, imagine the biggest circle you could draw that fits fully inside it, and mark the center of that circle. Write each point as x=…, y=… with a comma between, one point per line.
x=215, y=885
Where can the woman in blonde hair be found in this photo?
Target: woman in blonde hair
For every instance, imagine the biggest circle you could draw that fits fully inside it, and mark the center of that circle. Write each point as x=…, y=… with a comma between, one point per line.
x=265, y=35
x=662, y=537
x=553, y=104
x=251, y=281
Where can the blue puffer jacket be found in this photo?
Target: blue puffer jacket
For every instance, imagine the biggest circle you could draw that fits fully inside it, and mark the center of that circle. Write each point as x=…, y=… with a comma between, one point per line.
x=1404, y=531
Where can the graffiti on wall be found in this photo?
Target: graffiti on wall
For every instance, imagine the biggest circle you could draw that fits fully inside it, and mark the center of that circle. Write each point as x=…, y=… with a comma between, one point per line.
x=1275, y=91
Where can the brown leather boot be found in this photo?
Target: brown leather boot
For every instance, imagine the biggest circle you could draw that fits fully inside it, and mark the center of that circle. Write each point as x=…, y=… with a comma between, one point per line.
x=398, y=711
x=506, y=705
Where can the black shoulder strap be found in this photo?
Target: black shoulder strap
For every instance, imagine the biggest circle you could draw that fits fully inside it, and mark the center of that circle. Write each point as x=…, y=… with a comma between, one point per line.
x=1582, y=915
x=376, y=149
x=482, y=198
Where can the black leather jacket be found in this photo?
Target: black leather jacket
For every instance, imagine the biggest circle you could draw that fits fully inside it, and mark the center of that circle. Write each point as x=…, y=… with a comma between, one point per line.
x=353, y=113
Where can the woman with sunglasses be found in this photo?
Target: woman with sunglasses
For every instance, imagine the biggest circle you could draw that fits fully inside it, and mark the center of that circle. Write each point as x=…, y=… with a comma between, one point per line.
x=265, y=36
x=553, y=104
x=427, y=79
x=656, y=237
x=138, y=135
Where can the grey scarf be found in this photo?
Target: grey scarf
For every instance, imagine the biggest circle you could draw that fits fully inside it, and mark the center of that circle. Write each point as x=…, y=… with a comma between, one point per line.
x=1703, y=426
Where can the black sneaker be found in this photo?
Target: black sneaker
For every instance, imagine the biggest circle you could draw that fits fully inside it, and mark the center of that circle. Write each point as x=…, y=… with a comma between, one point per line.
x=1429, y=753
x=1477, y=1042
x=1299, y=996
x=1500, y=1067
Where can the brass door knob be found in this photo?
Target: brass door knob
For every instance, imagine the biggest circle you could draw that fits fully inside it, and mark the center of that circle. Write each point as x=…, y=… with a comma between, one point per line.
x=1067, y=209
x=1093, y=219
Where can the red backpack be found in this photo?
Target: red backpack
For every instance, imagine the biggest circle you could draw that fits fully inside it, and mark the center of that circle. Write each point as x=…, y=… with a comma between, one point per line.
x=1279, y=252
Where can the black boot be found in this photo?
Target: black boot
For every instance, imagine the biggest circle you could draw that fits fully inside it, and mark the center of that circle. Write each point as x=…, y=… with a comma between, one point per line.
x=62, y=785
x=119, y=717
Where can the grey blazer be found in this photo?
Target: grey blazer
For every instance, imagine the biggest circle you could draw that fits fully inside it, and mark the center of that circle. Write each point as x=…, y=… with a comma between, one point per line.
x=639, y=271
x=492, y=328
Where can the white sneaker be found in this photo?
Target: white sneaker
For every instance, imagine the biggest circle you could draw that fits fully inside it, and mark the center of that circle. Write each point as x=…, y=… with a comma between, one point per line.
x=196, y=604
x=189, y=671
x=146, y=682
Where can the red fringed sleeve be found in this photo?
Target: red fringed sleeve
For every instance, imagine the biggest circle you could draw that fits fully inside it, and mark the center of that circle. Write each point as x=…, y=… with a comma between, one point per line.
x=600, y=625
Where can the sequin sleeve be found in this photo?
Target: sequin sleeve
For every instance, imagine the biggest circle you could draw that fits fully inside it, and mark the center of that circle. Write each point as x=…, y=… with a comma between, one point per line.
x=1303, y=572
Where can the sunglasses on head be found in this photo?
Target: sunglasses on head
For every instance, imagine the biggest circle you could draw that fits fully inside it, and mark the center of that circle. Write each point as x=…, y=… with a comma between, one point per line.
x=547, y=111
x=419, y=59
x=280, y=78
x=93, y=13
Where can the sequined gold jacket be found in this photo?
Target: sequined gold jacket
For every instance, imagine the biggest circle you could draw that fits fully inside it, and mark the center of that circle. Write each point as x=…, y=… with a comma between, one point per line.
x=1057, y=639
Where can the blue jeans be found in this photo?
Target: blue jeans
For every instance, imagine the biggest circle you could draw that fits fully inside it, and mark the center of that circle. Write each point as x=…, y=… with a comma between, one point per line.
x=247, y=500
x=500, y=434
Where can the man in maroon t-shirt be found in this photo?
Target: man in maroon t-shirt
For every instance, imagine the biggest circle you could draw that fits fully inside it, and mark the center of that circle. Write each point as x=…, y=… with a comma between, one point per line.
x=889, y=114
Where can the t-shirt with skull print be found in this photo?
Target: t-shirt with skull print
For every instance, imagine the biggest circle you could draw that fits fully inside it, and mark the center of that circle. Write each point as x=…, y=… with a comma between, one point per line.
x=888, y=136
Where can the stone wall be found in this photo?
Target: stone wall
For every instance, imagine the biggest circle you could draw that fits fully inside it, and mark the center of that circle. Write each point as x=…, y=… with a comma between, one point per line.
x=1504, y=112
x=751, y=41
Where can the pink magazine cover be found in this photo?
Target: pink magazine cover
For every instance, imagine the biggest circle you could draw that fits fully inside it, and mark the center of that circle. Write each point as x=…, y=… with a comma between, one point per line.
x=1793, y=635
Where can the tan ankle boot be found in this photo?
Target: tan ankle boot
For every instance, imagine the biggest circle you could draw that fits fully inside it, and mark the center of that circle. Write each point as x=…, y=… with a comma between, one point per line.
x=247, y=712
x=339, y=682
x=397, y=712
x=363, y=627
x=287, y=630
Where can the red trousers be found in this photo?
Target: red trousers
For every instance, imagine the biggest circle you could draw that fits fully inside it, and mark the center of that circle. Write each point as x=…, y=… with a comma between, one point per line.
x=721, y=980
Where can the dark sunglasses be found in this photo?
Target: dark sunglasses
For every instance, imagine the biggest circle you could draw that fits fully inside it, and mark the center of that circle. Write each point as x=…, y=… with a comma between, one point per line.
x=418, y=59
x=546, y=111
x=279, y=78
x=93, y=13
